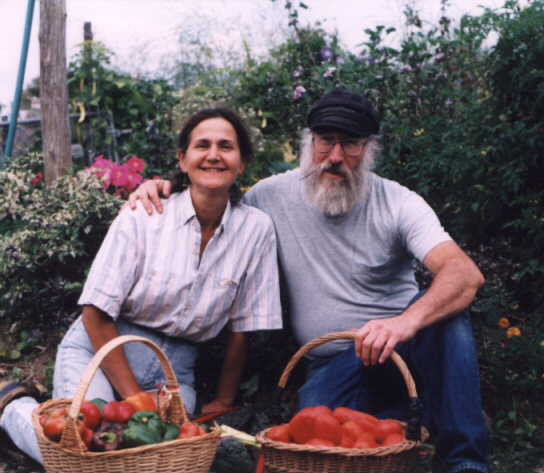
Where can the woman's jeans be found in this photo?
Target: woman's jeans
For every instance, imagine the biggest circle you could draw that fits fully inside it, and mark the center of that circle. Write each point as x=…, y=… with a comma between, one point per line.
x=443, y=361
x=74, y=354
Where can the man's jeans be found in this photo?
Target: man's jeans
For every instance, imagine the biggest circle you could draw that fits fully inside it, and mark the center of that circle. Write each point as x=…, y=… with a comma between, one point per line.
x=73, y=355
x=443, y=360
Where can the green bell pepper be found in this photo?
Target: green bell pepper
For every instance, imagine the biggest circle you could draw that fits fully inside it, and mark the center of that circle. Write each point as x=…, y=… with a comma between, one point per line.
x=171, y=432
x=146, y=427
x=138, y=434
x=149, y=419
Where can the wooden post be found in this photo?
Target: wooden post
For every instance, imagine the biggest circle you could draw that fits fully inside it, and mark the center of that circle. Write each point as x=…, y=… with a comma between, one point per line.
x=54, y=90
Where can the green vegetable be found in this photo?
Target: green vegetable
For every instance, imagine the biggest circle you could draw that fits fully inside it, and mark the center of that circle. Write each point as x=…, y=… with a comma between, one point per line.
x=150, y=420
x=138, y=434
x=233, y=456
x=171, y=432
x=100, y=403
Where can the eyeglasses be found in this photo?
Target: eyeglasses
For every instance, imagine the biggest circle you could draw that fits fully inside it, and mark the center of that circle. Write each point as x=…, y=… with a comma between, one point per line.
x=350, y=146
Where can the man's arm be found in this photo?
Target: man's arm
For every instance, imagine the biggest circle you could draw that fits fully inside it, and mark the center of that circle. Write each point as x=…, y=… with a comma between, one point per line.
x=456, y=281
x=149, y=193
x=233, y=366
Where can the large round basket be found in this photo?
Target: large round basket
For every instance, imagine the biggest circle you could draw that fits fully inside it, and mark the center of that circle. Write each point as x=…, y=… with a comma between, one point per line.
x=70, y=454
x=295, y=458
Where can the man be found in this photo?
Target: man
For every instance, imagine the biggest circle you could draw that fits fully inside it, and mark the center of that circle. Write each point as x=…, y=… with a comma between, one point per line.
x=347, y=239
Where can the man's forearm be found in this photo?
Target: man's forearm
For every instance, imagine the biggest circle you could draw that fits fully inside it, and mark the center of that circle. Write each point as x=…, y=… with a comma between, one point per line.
x=453, y=289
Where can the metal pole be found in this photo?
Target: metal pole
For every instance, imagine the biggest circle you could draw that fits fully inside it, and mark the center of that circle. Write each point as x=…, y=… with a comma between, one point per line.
x=20, y=79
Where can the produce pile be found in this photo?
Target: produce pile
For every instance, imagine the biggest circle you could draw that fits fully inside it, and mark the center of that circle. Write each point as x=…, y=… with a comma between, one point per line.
x=341, y=427
x=133, y=422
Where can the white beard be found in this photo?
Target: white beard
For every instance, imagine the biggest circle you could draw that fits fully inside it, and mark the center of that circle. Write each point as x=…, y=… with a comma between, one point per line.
x=334, y=197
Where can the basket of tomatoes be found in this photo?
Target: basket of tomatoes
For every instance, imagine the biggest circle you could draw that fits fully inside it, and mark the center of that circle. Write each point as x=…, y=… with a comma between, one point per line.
x=137, y=434
x=342, y=439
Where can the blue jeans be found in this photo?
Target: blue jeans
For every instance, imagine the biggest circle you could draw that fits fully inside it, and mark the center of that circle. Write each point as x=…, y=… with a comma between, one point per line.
x=73, y=355
x=443, y=361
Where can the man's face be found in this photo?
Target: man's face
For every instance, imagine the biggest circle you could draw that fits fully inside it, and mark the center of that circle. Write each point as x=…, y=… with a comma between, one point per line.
x=334, y=170
x=337, y=155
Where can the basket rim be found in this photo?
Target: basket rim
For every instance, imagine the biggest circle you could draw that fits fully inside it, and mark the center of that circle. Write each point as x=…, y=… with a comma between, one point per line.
x=60, y=402
x=344, y=451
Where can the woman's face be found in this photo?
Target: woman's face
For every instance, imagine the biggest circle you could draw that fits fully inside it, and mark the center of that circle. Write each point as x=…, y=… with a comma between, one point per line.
x=213, y=159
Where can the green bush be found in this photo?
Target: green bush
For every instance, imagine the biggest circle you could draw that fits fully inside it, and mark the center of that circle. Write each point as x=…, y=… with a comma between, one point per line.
x=49, y=237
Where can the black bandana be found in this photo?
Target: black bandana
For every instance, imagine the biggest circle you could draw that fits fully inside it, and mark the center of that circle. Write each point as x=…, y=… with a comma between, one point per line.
x=344, y=111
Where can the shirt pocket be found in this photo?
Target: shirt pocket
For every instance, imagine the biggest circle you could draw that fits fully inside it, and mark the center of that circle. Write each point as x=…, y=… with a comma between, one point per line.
x=373, y=281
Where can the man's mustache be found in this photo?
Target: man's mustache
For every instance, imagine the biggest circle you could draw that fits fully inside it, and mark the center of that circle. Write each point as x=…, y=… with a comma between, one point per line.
x=335, y=168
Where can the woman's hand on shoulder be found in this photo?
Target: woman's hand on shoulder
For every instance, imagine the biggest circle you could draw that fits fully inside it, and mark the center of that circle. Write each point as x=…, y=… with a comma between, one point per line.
x=150, y=193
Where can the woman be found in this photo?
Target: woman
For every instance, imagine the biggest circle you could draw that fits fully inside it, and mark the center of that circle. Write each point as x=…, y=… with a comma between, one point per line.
x=176, y=278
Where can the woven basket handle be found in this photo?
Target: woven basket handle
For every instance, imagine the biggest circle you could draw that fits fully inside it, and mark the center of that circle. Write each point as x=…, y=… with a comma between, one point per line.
x=350, y=335
x=70, y=436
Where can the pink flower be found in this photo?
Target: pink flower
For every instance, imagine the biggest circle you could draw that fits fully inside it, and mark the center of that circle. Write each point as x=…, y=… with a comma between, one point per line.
x=119, y=175
x=102, y=163
x=135, y=164
x=133, y=179
x=105, y=176
x=299, y=92
x=37, y=179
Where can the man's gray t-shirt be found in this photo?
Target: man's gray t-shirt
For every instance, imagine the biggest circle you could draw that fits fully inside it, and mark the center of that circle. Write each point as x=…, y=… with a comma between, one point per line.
x=340, y=272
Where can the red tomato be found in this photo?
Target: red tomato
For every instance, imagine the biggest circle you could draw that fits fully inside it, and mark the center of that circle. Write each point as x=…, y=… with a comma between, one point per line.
x=386, y=427
x=315, y=422
x=91, y=414
x=394, y=438
x=190, y=429
x=279, y=433
x=53, y=427
x=87, y=436
x=352, y=430
x=346, y=441
x=366, y=421
x=319, y=442
x=366, y=440
x=118, y=411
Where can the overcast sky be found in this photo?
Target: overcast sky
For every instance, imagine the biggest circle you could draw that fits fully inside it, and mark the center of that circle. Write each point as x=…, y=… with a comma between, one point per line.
x=140, y=32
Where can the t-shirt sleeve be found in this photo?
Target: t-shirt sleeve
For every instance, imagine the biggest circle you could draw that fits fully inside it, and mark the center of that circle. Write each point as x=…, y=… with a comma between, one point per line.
x=113, y=272
x=420, y=228
x=257, y=305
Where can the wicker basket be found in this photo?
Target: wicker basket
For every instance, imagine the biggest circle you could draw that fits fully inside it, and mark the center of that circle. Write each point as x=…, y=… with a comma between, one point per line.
x=71, y=456
x=295, y=458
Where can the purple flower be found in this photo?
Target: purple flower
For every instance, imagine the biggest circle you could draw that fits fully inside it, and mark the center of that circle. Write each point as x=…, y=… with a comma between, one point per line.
x=299, y=92
x=297, y=73
x=406, y=68
x=329, y=72
x=326, y=53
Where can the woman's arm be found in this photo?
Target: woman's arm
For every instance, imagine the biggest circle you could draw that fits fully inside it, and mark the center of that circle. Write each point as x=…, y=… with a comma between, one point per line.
x=233, y=366
x=101, y=329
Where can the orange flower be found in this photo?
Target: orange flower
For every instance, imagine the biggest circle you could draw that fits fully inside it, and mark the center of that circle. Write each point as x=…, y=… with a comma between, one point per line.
x=504, y=322
x=513, y=332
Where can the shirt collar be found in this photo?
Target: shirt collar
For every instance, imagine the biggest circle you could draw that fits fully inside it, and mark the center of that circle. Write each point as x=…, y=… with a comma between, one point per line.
x=186, y=211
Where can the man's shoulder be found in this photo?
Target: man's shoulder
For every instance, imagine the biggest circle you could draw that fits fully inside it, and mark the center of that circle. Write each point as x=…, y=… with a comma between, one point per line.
x=272, y=187
x=392, y=189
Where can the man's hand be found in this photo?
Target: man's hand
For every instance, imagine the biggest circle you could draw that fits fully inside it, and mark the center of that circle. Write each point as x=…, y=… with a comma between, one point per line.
x=377, y=339
x=149, y=193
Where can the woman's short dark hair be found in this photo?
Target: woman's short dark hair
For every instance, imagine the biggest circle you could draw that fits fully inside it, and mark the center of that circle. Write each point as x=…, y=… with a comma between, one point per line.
x=181, y=180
